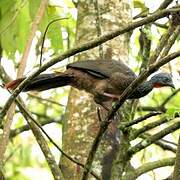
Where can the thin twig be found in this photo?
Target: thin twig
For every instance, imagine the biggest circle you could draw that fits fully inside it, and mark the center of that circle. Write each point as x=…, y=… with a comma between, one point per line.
x=169, y=142
x=170, y=97
x=99, y=114
x=165, y=4
x=47, y=100
x=24, y=128
x=140, y=119
x=11, y=154
x=44, y=36
x=164, y=26
x=160, y=108
x=145, y=13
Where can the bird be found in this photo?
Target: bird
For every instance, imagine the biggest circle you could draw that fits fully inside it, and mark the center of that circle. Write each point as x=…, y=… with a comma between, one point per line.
x=104, y=79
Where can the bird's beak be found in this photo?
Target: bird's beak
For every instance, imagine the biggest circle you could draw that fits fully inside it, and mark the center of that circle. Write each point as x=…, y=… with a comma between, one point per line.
x=171, y=85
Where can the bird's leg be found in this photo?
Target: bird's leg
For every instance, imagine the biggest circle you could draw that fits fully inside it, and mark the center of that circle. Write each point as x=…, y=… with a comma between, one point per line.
x=104, y=106
x=99, y=114
x=113, y=96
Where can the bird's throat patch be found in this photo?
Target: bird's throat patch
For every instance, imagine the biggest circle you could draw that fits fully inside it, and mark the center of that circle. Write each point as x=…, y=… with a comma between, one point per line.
x=157, y=85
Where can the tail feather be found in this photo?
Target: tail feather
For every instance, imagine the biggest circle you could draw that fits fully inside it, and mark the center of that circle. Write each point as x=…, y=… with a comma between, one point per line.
x=43, y=82
x=13, y=84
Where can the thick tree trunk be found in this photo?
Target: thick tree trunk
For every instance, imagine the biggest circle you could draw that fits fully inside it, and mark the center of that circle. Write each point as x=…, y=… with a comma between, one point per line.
x=81, y=122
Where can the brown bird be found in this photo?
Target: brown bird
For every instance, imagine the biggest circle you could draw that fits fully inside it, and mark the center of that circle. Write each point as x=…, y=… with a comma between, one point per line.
x=104, y=79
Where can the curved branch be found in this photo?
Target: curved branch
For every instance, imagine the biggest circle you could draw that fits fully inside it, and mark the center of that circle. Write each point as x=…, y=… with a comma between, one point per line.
x=159, y=143
x=148, y=167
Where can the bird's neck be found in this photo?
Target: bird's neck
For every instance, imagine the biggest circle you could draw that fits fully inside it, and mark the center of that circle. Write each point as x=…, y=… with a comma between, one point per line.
x=142, y=90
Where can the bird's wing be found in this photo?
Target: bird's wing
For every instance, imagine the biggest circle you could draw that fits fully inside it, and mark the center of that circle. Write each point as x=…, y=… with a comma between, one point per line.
x=102, y=68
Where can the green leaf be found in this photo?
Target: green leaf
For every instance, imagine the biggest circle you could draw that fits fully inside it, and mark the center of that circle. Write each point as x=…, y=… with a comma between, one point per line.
x=171, y=112
x=140, y=4
x=16, y=23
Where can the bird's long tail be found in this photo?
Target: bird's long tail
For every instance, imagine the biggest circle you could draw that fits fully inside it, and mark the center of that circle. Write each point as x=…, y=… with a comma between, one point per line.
x=43, y=82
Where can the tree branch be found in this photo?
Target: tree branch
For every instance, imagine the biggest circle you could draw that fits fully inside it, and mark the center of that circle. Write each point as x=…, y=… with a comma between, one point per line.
x=159, y=143
x=6, y=129
x=163, y=40
x=165, y=146
x=170, y=97
x=148, y=167
x=46, y=100
x=21, y=129
x=145, y=143
x=41, y=141
x=171, y=41
x=5, y=77
x=165, y=4
x=147, y=127
x=138, y=120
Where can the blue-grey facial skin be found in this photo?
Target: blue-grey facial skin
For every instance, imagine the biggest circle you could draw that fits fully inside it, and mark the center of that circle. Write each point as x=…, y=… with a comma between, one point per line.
x=158, y=80
x=163, y=79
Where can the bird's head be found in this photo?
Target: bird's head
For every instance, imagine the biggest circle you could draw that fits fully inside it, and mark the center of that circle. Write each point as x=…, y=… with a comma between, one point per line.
x=162, y=79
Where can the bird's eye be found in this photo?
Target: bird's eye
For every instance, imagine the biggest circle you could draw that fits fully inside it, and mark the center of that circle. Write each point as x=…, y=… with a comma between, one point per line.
x=166, y=79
